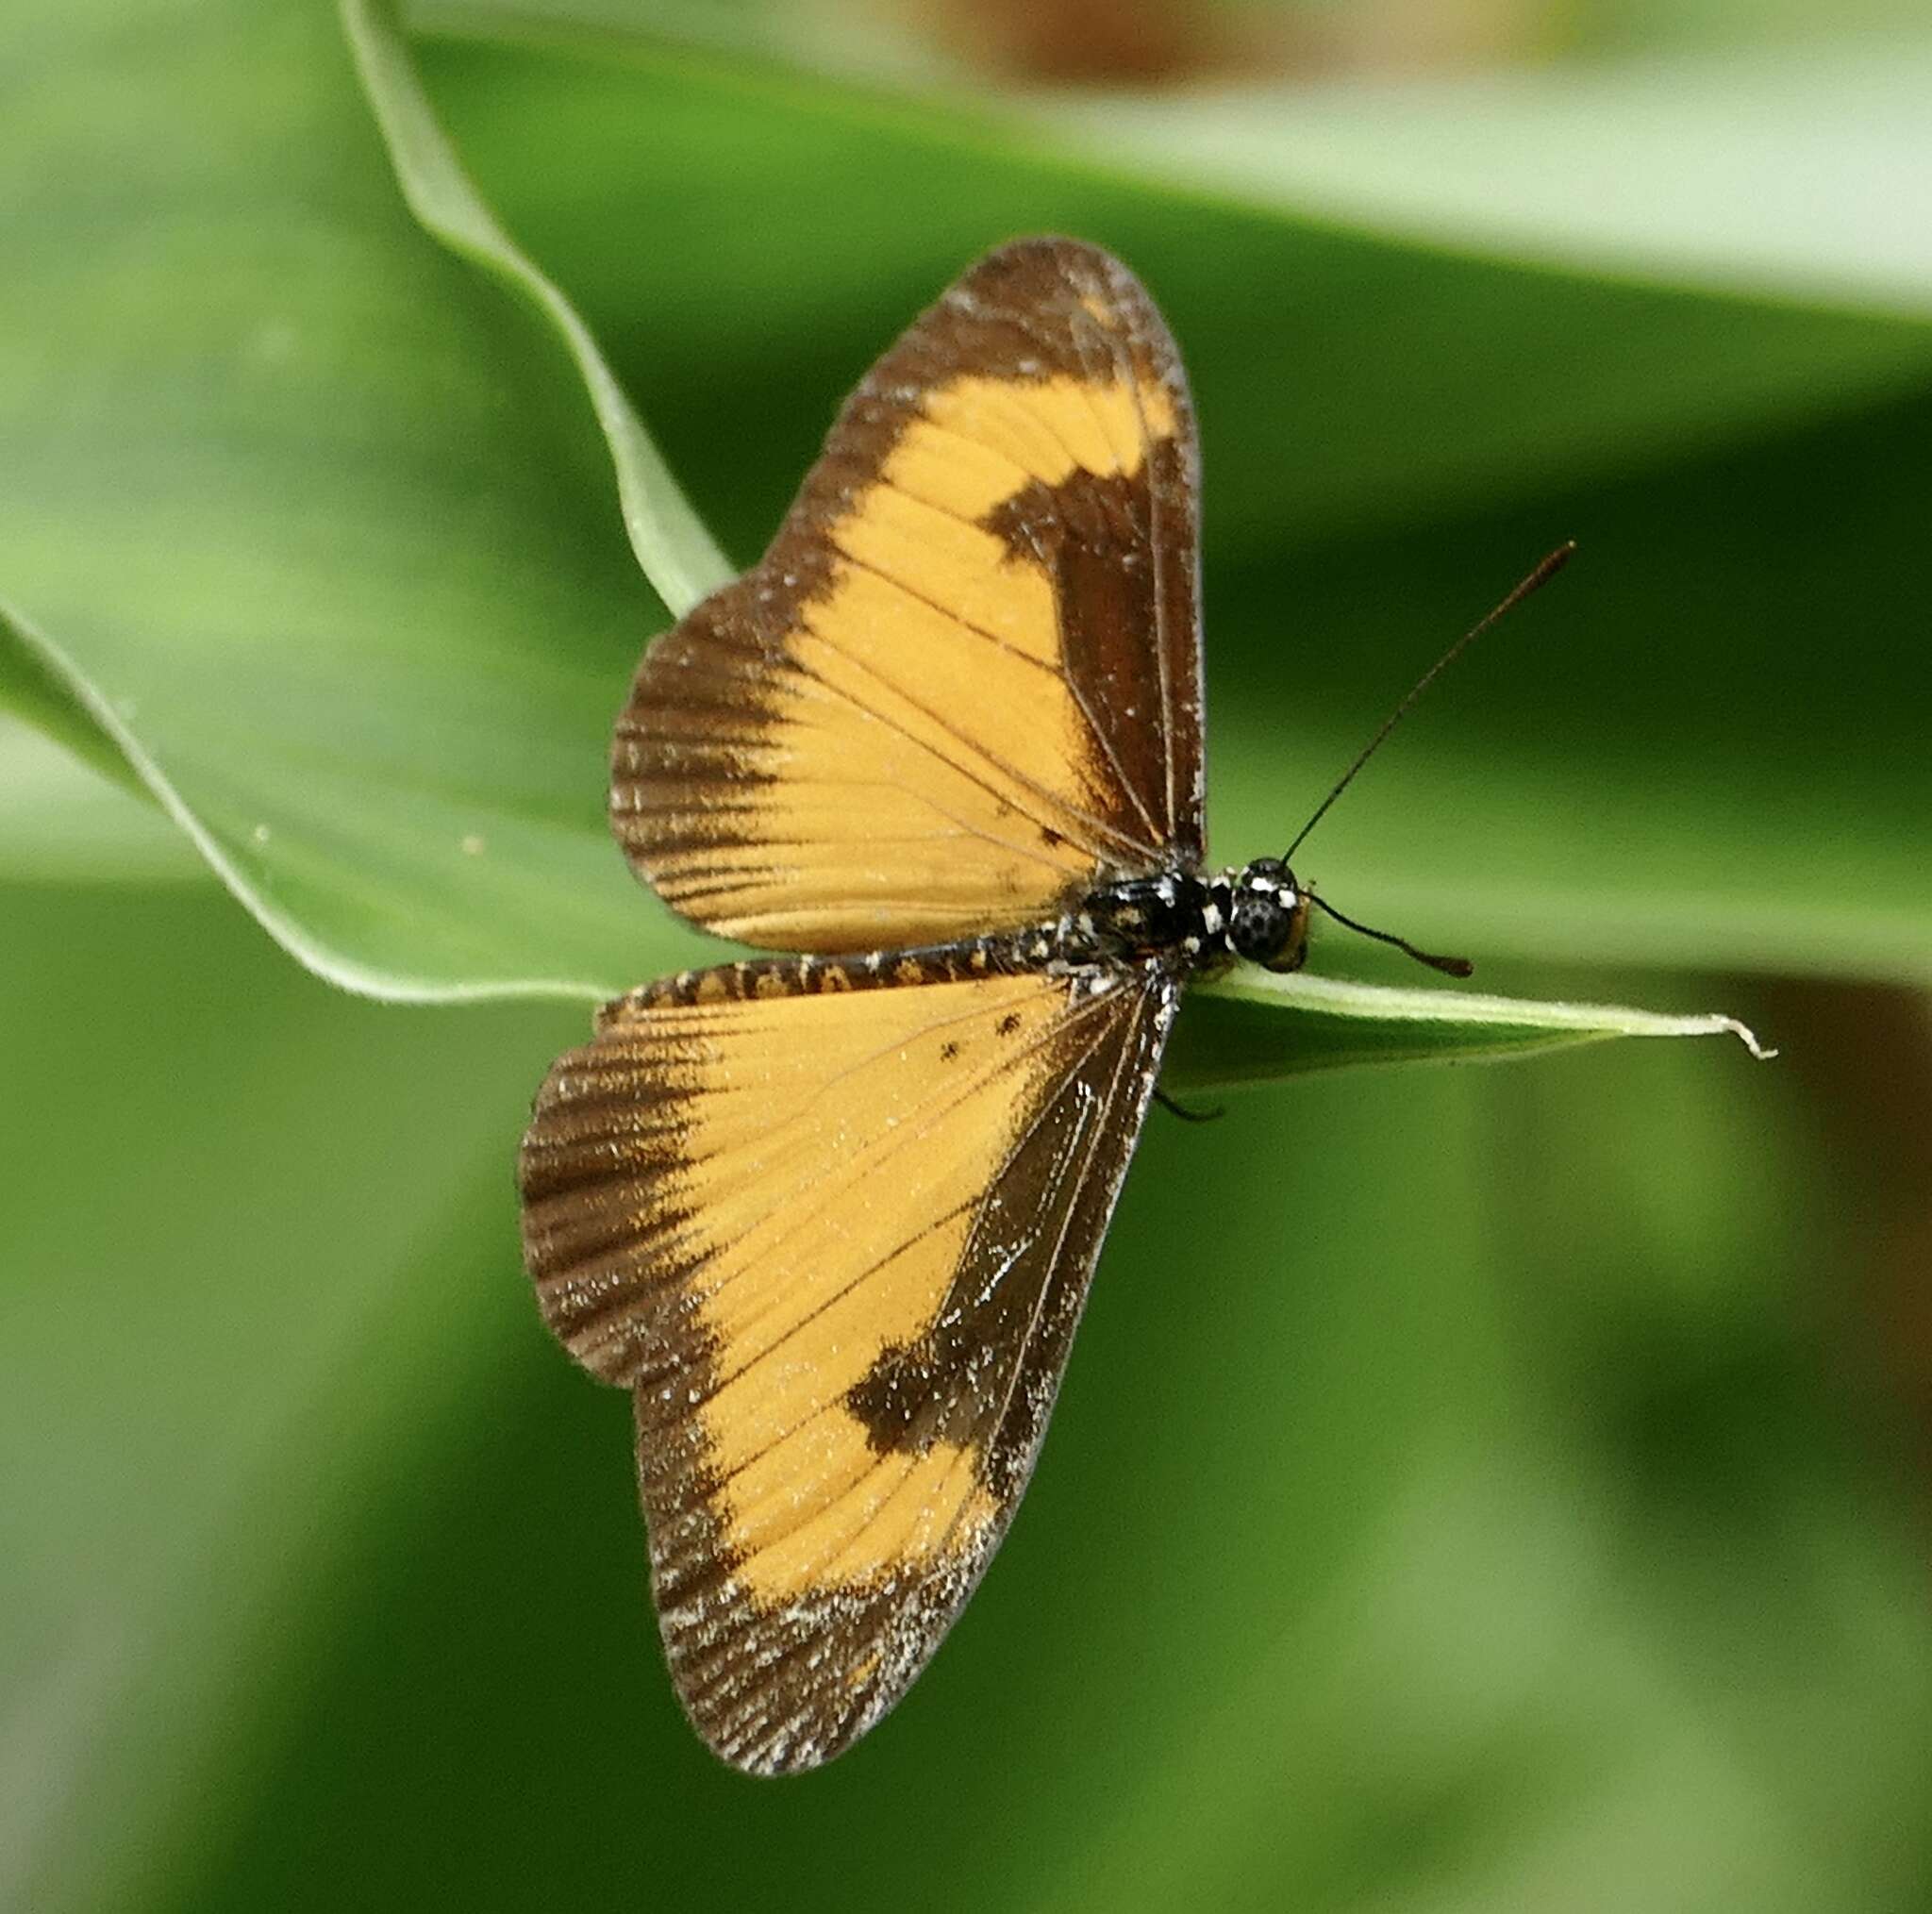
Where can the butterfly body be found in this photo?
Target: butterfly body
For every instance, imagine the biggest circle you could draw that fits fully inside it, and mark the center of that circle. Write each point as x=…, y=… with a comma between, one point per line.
x=831, y=1215
x=1177, y=923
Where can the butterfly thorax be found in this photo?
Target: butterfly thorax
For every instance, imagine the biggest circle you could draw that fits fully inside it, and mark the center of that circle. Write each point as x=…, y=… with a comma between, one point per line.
x=1193, y=923
x=1175, y=915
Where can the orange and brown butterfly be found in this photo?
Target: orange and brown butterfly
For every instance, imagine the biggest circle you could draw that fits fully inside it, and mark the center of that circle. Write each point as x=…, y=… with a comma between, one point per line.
x=831, y=1216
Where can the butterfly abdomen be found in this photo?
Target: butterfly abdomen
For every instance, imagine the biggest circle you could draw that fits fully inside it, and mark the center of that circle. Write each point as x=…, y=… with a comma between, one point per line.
x=1010, y=954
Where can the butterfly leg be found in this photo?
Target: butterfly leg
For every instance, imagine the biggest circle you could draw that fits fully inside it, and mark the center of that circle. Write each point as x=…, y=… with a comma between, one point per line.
x=1185, y=1115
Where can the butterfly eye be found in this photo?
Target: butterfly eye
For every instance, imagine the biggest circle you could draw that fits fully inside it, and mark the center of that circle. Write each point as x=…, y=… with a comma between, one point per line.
x=1260, y=925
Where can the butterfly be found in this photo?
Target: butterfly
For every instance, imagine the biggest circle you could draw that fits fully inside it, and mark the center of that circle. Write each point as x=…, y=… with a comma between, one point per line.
x=831, y=1216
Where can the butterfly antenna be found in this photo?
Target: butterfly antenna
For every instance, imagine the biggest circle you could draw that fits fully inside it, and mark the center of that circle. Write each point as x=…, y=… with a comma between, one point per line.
x=1449, y=966
x=1536, y=579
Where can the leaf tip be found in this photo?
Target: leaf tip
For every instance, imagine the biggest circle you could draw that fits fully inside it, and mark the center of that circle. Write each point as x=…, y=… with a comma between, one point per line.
x=1747, y=1036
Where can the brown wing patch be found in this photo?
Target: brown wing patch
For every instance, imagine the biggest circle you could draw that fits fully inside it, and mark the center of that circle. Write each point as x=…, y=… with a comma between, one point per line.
x=963, y=684
x=836, y=1244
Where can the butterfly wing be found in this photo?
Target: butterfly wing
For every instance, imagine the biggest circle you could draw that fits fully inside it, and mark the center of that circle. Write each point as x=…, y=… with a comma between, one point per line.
x=964, y=684
x=836, y=1245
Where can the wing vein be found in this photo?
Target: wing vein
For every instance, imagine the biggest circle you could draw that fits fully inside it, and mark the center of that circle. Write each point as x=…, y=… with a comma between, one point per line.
x=905, y=1136
x=899, y=1249
x=1087, y=822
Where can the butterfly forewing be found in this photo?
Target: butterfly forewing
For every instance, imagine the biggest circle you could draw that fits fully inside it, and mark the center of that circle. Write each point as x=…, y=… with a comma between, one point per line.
x=963, y=684
x=837, y=1244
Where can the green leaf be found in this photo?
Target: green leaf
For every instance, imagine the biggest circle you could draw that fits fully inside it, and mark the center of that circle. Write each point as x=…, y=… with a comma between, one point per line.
x=1234, y=1031
x=305, y=523
x=1351, y=377
x=1723, y=166
x=1735, y=172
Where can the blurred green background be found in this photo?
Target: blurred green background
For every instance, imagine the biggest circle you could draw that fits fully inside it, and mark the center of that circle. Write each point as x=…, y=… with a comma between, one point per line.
x=1475, y=1487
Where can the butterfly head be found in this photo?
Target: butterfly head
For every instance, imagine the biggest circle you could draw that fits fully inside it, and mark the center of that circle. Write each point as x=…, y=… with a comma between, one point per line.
x=1268, y=918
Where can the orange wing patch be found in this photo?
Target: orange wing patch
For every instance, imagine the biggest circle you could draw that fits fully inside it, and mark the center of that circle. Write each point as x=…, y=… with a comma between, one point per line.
x=980, y=442
x=836, y=1245
x=963, y=686
x=819, y=1250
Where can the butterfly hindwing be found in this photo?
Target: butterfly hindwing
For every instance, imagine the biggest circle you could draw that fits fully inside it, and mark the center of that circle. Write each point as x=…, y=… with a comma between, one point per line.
x=963, y=684
x=836, y=1243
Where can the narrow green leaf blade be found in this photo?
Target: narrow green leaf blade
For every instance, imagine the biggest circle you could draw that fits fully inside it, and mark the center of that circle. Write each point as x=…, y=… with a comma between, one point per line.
x=1250, y=1028
x=676, y=553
